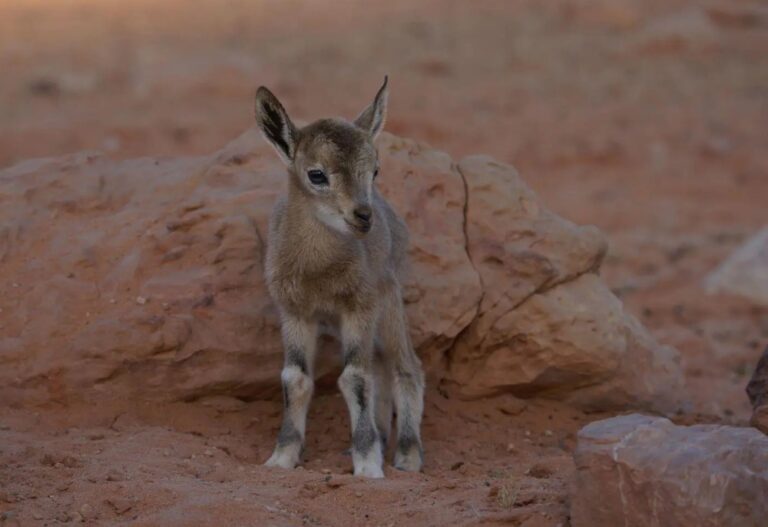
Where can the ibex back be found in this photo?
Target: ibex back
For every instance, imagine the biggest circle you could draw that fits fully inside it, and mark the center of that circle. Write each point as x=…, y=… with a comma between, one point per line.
x=336, y=251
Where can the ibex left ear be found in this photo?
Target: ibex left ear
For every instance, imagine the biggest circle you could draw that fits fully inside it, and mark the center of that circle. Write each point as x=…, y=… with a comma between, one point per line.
x=372, y=118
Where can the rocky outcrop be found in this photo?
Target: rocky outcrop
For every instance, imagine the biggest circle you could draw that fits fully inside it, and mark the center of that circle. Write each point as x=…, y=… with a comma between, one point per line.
x=546, y=323
x=144, y=278
x=636, y=470
x=745, y=272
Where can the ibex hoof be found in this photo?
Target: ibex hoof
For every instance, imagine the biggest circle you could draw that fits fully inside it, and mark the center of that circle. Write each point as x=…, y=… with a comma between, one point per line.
x=282, y=460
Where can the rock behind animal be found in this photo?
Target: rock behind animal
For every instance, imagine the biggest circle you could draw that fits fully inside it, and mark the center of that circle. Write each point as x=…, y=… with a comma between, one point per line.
x=143, y=278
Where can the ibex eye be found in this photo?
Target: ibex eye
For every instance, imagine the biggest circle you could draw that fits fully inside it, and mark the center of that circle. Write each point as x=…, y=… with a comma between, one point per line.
x=375, y=173
x=317, y=177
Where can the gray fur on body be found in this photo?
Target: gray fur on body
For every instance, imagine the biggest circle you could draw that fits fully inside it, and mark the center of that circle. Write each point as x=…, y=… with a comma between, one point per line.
x=336, y=251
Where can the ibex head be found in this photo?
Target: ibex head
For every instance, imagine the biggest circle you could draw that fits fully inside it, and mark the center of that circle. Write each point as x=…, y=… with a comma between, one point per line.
x=331, y=161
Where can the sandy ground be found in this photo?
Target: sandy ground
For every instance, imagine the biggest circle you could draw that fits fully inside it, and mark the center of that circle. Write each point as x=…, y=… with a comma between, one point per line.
x=647, y=119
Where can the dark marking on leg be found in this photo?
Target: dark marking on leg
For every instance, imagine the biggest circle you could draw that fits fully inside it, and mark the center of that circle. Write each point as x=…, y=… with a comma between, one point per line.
x=364, y=437
x=288, y=434
x=407, y=440
x=286, y=397
x=352, y=356
x=296, y=357
x=359, y=388
x=384, y=439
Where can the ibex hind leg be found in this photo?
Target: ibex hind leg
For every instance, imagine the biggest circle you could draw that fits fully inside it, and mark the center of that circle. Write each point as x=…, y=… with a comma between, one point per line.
x=382, y=374
x=408, y=384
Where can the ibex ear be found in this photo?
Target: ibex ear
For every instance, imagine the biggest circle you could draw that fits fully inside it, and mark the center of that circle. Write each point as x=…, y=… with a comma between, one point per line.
x=372, y=118
x=275, y=124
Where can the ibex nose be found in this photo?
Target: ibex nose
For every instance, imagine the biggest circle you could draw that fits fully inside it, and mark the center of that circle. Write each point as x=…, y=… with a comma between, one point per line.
x=363, y=213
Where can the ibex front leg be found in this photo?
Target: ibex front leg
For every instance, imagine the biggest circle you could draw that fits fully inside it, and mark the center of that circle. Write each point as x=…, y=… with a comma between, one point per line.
x=300, y=342
x=357, y=385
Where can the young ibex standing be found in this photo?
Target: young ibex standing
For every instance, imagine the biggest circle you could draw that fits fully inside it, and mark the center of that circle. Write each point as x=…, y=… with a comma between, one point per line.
x=335, y=252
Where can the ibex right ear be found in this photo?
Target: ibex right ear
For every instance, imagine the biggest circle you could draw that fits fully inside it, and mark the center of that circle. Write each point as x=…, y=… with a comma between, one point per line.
x=372, y=118
x=275, y=124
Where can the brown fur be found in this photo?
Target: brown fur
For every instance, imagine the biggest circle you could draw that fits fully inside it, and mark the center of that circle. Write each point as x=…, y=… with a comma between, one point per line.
x=336, y=251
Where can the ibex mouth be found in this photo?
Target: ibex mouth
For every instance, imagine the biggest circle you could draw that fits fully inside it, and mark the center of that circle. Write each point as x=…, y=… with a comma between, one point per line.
x=360, y=228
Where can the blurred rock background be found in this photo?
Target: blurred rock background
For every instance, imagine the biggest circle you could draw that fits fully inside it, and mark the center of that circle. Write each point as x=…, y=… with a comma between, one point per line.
x=646, y=119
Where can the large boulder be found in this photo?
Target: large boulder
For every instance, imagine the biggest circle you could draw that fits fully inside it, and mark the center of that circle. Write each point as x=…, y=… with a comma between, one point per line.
x=745, y=272
x=547, y=324
x=636, y=470
x=144, y=278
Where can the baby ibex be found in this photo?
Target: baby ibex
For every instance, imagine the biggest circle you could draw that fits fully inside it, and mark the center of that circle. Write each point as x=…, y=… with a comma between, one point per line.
x=335, y=253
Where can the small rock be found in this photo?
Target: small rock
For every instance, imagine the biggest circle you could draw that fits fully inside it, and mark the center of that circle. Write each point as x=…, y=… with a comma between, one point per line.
x=64, y=485
x=510, y=405
x=333, y=483
x=43, y=86
x=119, y=504
x=141, y=300
x=86, y=511
x=717, y=146
x=539, y=471
x=358, y=494
x=115, y=475
x=745, y=272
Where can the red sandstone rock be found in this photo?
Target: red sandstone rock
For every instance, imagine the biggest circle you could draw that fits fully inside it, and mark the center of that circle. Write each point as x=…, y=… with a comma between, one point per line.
x=637, y=470
x=144, y=278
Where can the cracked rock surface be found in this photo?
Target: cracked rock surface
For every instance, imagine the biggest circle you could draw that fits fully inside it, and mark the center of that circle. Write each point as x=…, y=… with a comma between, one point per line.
x=144, y=277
